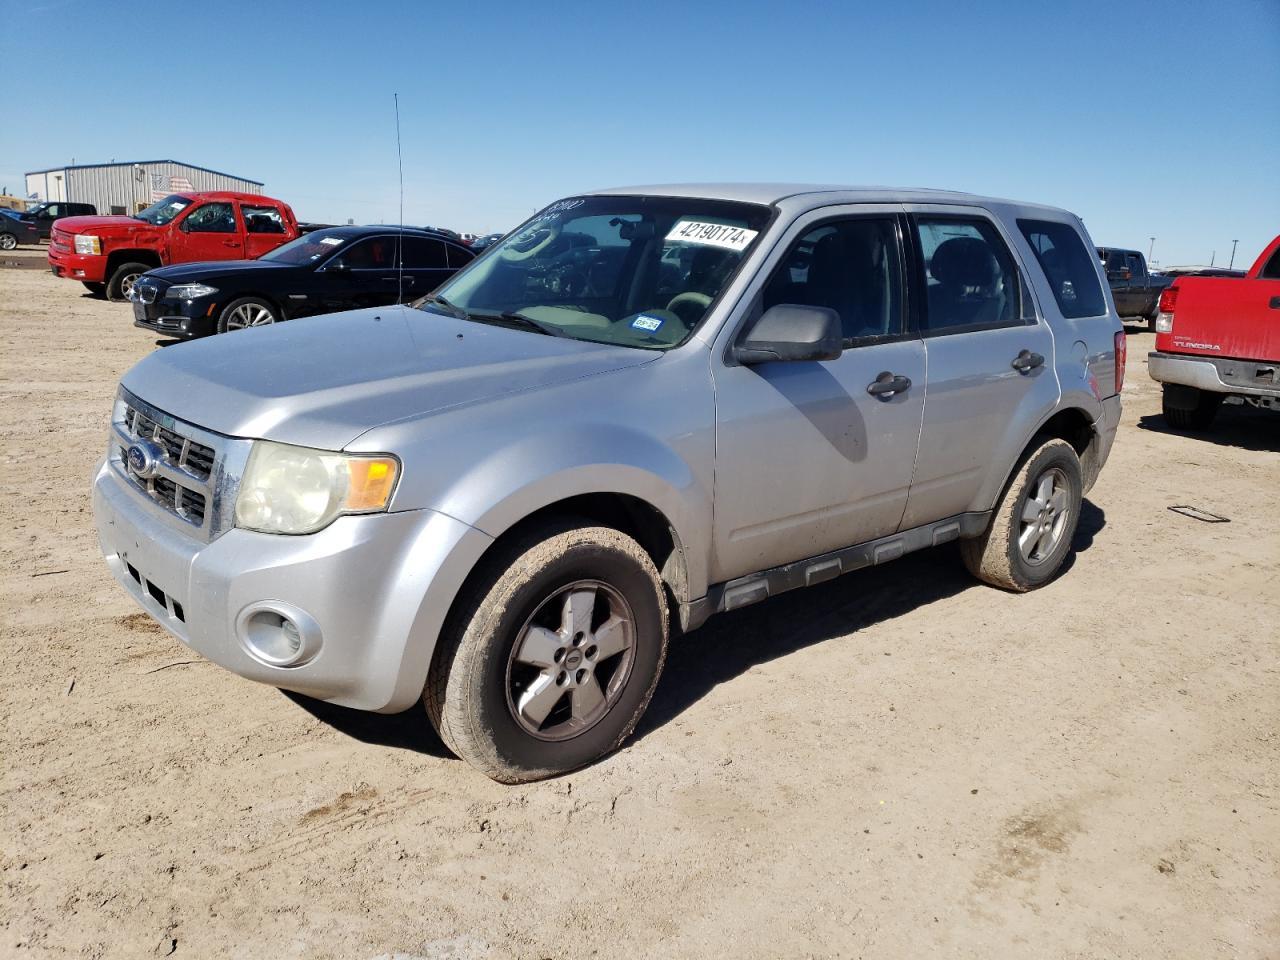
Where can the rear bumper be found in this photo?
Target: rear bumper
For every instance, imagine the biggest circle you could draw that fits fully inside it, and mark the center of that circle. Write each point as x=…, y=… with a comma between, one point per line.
x=72, y=266
x=1216, y=374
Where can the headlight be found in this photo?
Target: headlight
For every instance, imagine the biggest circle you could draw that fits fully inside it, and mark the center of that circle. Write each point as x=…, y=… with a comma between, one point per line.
x=86, y=244
x=189, y=291
x=289, y=489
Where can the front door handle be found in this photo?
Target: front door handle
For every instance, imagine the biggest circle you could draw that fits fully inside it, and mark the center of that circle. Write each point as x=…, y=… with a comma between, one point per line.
x=230, y=243
x=1026, y=361
x=888, y=385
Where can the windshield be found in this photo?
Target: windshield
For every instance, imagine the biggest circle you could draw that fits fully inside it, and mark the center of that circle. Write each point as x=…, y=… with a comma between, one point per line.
x=636, y=271
x=164, y=211
x=307, y=248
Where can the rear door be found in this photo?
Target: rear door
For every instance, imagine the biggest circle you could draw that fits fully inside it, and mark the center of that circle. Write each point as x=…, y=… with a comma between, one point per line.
x=807, y=460
x=264, y=229
x=990, y=358
x=211, y=231
x=426, y=266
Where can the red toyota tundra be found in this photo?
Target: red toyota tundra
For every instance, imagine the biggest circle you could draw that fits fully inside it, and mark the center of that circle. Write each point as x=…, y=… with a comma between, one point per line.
x=1219, y=337
x=107, y=254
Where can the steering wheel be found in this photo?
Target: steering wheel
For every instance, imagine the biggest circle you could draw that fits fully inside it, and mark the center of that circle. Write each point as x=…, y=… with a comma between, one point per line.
x=684, y=304
x=529, y=243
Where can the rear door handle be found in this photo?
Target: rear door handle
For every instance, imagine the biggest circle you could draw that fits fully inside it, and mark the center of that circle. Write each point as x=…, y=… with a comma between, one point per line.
x=1026, y=361
x=888, y=385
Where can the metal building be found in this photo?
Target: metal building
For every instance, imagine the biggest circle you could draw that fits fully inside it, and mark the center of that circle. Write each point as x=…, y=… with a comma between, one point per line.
x=123, y=188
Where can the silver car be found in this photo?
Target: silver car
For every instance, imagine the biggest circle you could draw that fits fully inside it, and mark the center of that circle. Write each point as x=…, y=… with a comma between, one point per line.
x=640, y=408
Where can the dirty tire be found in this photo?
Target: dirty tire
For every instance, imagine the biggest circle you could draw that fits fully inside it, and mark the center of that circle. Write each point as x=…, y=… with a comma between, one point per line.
x=466, y=695
x=122, y=279
x=995, y=557
x=1186, y=408
x=97, y=289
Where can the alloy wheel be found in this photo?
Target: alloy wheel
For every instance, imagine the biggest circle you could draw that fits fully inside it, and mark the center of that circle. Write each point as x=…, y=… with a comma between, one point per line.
x=1045, y=515
x=249, y=315
x=571, y=660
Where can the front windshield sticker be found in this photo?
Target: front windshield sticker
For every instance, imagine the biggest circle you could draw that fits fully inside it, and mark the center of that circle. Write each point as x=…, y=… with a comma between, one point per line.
x=712, y=234
x=646, y=322
x=331, y=241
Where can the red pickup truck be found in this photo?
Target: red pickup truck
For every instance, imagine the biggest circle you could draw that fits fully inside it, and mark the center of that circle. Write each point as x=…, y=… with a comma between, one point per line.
x=1219, y=337
x=107, y=254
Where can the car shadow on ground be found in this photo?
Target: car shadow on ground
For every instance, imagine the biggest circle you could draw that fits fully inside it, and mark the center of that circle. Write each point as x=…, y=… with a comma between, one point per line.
x=408, y=730
x=1234, y=426
x=733, y=643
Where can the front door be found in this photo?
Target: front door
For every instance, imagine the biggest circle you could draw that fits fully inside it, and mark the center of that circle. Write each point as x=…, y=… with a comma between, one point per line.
x=807, y=460
x=990, y=360
x=208, y=232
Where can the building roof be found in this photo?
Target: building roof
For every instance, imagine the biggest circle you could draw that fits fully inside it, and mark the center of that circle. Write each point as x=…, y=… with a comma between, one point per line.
x=142, y=163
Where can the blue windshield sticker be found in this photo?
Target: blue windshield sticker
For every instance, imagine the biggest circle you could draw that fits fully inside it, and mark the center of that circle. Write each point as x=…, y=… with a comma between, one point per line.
x=646, y=322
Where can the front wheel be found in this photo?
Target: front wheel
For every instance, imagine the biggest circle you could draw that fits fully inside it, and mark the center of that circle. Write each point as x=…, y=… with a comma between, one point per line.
x=244, y=313
x=551, y=658
x=120, y=286
x=8, y=241
x=1033, y=526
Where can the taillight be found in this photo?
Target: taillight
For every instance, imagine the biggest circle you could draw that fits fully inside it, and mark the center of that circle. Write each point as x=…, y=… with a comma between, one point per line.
x=1164, y=319
x=1122, y=355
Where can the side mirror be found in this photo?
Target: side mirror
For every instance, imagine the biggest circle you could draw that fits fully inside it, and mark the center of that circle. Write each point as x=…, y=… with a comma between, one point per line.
x=790, y=331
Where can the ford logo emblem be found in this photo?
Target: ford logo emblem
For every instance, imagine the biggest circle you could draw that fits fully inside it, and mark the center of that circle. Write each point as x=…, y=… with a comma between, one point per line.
x=143, y=457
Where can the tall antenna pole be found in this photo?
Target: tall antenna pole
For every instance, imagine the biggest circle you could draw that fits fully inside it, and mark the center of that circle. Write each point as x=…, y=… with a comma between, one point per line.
x=1233, y=254
x=1150, y=249
x=400, y=242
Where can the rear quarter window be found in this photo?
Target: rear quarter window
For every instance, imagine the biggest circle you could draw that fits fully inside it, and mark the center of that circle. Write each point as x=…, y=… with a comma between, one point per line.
x=1068, y=265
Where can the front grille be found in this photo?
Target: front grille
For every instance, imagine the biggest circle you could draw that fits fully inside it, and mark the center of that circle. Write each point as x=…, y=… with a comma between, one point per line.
x=145, y=292
x=185, y=470
x=181, y=451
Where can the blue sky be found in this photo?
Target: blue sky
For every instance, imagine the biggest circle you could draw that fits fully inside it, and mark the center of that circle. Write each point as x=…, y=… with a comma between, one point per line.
x=1144, y=118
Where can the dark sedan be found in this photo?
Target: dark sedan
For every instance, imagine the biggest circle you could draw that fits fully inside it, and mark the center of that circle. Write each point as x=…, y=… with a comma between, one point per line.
x=337, y=268
x=15, y=230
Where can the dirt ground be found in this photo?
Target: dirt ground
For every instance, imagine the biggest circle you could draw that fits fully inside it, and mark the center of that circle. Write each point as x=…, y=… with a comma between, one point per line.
x=899, y=763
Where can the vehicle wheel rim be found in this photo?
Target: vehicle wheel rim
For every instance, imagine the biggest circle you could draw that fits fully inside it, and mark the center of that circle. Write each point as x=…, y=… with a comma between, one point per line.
x=249, y=315
x=7, y=242
x=571, y=660
x=1045, y=515
x=126, y=285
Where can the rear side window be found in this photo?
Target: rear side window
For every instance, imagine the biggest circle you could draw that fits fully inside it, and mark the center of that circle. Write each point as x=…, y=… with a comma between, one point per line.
x=262, y=219
x=972, y=281
x=421, y=253
x=1067, y=265
x=1272, y=270
x=459, y=256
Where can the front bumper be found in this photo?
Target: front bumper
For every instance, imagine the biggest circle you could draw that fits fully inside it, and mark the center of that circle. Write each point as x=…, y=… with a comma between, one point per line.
x=87, y=268
x=182, y=319
x=377, y=586
x=1216, y=374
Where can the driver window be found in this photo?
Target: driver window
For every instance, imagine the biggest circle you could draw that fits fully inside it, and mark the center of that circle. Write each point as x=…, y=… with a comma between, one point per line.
x=212, y=218
x=376, y=253
x=850, y=266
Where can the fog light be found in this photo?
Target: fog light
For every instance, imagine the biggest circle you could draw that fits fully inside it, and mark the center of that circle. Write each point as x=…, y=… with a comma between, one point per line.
x=278, y=634
x=78, y=273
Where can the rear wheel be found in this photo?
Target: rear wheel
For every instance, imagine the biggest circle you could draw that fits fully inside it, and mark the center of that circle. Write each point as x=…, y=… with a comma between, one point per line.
x=97, y=289
x=1033, y=526
x=8, y=241
x=121, y=283
x=244, y=313
x=1186, y=408
x=550, y=659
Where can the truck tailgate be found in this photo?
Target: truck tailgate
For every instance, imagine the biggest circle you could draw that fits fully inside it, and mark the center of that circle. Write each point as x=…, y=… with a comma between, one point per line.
x=1225, y=317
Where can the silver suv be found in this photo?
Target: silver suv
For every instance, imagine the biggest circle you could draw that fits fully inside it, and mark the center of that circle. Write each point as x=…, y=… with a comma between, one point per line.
x=642, y=407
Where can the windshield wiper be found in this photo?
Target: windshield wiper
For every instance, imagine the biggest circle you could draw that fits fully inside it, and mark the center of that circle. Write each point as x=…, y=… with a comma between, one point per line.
x=515, y=318
x=453, y=308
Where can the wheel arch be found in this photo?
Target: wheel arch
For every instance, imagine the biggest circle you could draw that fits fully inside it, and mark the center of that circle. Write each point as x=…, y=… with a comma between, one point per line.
x=132, y=255
x=1071, y=423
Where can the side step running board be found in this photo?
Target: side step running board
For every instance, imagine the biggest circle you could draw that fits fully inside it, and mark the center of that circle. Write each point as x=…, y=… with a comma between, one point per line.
x=804, y=573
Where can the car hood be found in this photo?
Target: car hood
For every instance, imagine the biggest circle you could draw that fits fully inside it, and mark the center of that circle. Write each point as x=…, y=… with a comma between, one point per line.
x=212, y=270
x=323, y=381
x=99, y=226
